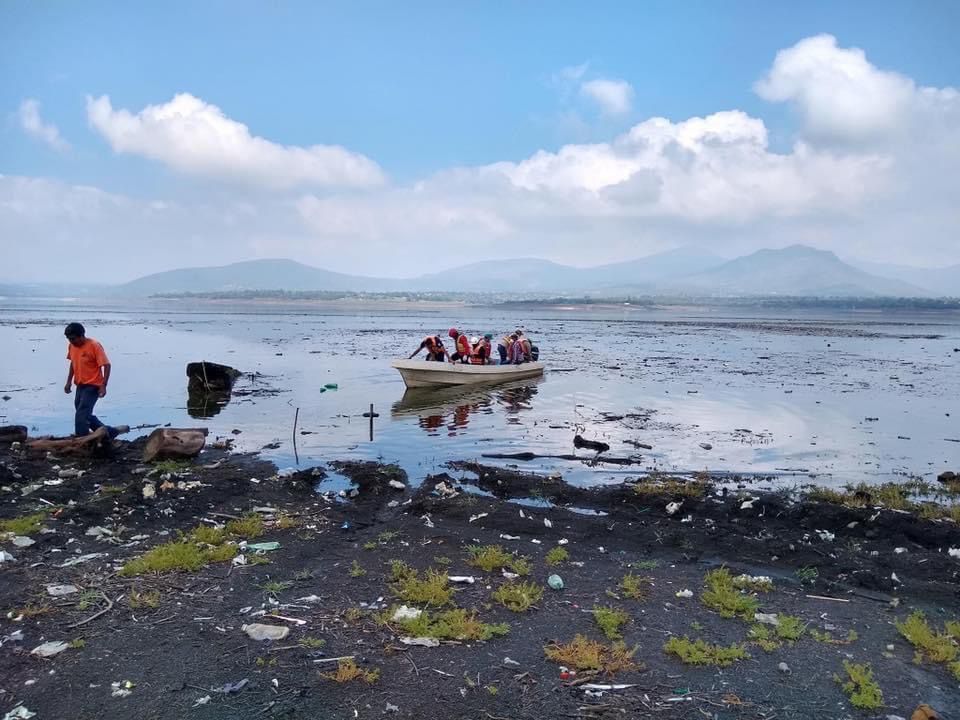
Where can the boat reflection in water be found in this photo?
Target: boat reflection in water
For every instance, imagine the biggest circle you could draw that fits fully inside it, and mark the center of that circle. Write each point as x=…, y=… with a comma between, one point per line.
x=449, y=409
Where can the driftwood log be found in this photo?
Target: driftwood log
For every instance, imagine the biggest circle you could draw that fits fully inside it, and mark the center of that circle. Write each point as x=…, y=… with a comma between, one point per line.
x=210, y=377
x=97, y=441
x=174, y=443
x=13, y=433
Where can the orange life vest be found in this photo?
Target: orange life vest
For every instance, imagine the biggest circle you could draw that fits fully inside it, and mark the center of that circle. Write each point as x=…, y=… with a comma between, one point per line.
x=463, y=346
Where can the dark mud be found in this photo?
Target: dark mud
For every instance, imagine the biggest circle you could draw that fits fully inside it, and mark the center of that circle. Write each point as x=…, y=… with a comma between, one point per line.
x=180, y=655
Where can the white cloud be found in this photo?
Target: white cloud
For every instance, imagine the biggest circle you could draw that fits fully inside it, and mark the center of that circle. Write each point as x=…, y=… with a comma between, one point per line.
x=844, y=98
x=195, y=137
x=613, y=96
x=33, y=125
x=851, y=182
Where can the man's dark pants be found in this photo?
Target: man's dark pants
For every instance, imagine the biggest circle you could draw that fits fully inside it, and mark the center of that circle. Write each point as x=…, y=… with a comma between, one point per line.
x=84, y=398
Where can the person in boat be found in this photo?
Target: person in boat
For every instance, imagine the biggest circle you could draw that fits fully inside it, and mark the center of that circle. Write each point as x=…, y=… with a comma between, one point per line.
x=516, y=355
x=531, y=352
x=434, y=347
x=503, y=348
x=481, y=350
x=462, y=350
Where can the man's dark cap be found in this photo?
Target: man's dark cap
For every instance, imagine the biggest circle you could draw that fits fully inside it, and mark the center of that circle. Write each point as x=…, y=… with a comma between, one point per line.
x=74, y=330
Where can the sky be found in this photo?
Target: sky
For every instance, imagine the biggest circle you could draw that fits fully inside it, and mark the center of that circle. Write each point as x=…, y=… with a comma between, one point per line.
x=394, y=139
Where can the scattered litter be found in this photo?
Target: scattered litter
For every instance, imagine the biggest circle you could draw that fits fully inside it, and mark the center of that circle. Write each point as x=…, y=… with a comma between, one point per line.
x=893, y=576
x=266, y=510
x=391, y=708
x=81, y=559
x=673, y=507
x=49, y=649
x=19, y=713
x=295, y=621
x=509, y=575
x=507, y=662
x=899, y=550
x=202, y=701
x=562, y=541
x=706, y=446
x=256, y=631
x=784, y=668
x=406, y=613
x=685, y=594
x=748, y=504
x=233, y=687
x=7, y=557
x=149, y=491
x=474, y=518
x=70, y=473
x=465, y=579
x=954, y=553
x=264, y=546
x=767, y=618
x=15, y=636
x=122, y=689
x=427, y=521
x=309, y=599
x=547, y=523
x=21, y=541
x=509, y=537
x=445, y=490
x=826, y=535
x=61, y=590
x=595, y=687
x=555, y=582
x=397, y=485
x=420, y=641
x=239, y=560
x=97, y=531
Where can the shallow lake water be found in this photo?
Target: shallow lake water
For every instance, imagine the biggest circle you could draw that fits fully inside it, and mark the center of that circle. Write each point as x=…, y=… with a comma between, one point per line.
x=804, y=396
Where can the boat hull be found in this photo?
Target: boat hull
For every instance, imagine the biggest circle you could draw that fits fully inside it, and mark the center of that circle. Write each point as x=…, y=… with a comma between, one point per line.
x=420, y=373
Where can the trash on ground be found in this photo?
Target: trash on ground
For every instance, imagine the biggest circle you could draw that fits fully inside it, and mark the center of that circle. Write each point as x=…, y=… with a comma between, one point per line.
x=7, y=557
x=684, y=593
x=19, y=713
x=672, y=507
x=81, y=559
x=233, y=687
x=397, y=485
x=466, y=579
x=61, y=590
x=420, y=641
x=50, y=649
x=767, y=618
x=263, y=546
x=22, y=541
x=122, y=689
x=406, y=613
x=256, y=631
x=555, y=582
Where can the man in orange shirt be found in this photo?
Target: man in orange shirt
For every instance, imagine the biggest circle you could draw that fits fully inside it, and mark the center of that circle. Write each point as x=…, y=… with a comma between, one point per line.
x=90, y=370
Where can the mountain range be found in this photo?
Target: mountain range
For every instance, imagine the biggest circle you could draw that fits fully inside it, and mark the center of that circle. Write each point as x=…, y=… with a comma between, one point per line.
x=795, y=271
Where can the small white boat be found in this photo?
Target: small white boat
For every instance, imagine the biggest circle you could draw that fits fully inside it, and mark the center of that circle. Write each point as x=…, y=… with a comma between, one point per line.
x=423, y=373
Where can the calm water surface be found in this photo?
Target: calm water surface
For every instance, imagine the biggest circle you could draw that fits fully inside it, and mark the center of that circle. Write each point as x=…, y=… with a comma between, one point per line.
x=836, y=397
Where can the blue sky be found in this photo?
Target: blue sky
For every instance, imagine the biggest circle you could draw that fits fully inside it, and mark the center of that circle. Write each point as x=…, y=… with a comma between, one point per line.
x=422, y=88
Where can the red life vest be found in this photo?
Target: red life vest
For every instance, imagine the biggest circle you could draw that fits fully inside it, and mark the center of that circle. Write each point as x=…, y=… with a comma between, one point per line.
x=463, y=346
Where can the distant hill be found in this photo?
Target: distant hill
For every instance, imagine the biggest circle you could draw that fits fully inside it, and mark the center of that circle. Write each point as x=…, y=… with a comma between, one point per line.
x=250, y=275
x=793, y=271
x=797, y=270
x=937, y=281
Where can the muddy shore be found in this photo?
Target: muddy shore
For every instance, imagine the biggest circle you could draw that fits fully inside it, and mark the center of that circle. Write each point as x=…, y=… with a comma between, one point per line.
x=171, y=645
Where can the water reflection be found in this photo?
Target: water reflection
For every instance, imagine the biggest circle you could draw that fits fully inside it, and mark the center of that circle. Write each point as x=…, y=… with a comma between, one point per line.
x=451, y=408
x=201, y=404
